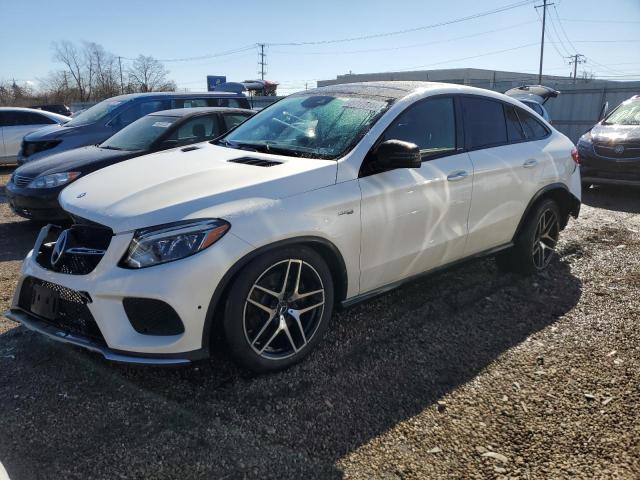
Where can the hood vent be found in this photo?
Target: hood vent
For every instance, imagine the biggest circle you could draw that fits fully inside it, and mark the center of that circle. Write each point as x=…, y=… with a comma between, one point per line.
x=256, y=162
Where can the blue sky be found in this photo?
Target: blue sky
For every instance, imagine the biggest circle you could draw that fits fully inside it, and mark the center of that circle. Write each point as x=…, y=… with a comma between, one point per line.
x=608, y=33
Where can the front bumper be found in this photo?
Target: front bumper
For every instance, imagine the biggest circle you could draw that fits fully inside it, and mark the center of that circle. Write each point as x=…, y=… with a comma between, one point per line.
x=186, y=285
x=598, y=170
x=37, y=325
x=35, y=204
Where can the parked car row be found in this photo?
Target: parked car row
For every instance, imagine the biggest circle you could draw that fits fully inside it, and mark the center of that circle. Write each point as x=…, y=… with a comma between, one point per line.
x=325, y=198
x=34, y=187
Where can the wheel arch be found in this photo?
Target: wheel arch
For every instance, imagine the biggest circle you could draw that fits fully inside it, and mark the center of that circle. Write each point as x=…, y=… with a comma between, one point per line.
x=559, y=192
x=320, y=245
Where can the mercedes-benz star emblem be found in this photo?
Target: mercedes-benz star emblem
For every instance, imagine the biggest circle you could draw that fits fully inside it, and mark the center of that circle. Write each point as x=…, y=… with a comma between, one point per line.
x=59, y=248
x=80, y=195
x=619, y=149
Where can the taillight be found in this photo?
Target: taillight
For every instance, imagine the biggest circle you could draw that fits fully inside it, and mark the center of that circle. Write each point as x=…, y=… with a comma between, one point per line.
x=575, y=156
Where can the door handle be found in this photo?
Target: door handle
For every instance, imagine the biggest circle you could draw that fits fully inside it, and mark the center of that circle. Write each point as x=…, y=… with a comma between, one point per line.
x=456, y=176
x=532, y=162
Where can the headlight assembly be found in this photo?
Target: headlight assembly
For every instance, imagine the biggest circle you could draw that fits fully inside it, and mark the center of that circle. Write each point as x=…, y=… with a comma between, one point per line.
x=53, y=180
x=173, y=241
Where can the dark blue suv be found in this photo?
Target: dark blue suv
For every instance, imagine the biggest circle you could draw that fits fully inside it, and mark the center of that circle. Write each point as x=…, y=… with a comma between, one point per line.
x=101, y=121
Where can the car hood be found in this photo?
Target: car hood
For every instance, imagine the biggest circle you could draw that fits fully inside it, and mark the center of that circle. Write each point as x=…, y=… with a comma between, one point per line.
x=615, y=133
x=51, y=132
x=84, y=159
x=187, y=183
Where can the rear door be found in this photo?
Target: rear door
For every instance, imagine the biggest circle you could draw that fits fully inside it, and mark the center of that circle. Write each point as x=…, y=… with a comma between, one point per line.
x=414, y=220
x=505, y=166
x=19, y=124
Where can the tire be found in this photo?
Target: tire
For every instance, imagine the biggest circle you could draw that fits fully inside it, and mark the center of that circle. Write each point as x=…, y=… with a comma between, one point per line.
x=535, y=245
x=269, y=324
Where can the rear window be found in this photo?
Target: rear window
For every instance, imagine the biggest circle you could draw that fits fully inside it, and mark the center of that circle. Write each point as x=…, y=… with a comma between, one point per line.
x=484, y=123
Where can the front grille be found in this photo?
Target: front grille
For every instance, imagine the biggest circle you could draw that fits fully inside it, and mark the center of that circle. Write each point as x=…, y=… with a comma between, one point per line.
x=629, y=150
x=72, y=316
x=21, y=181
x=29, y=148
x=84, y=246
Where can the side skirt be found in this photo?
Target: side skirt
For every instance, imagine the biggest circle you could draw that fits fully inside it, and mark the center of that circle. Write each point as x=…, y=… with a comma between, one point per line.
x=349, y=302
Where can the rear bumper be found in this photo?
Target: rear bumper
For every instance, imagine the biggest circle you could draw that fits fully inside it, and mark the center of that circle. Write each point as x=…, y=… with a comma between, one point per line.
x=33, y=323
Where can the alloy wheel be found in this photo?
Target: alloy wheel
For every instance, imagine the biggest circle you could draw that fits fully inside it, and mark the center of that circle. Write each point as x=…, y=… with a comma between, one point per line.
x=545, y=239
x=283, y=309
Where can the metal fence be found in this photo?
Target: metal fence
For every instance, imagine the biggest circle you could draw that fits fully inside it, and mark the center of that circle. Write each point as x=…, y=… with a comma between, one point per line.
x=577, y=108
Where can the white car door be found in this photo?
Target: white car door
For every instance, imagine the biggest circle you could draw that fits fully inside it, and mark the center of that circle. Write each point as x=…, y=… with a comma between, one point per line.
x=20, y=123
x=506, y=171
x=414, y=220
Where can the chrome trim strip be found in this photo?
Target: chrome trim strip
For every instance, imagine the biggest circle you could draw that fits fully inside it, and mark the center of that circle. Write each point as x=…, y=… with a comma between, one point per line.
x=65, y=337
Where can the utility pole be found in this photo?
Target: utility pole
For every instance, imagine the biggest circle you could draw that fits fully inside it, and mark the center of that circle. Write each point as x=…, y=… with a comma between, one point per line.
x=575, y=60
x=544, y=6
x=261, y=63
x=121, y=83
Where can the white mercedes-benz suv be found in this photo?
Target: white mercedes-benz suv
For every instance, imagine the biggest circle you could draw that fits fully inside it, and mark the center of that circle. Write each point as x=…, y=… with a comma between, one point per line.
x=325, y=198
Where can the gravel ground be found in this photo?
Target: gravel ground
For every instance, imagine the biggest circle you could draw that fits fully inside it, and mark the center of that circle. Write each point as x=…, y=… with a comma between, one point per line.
x=467, y=374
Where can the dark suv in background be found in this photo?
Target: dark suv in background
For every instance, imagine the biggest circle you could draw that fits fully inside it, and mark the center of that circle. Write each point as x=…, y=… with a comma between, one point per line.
x=58, y=108
x=101, y=121
x=610, y=151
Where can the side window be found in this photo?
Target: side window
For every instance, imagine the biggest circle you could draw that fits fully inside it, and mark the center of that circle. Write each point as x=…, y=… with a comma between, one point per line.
x=533, y=129
x=30, y=118
x=5, y=119
x=189, y=102
x=535, y=107
x=138, y=110
x=233, y=120
x=484, y=122
x=196, y=130
x=430, y=124
x=514, y=129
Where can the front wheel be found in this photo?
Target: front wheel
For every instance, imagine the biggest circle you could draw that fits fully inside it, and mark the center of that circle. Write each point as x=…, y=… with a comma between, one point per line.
x=535, y=245
x=278, y=309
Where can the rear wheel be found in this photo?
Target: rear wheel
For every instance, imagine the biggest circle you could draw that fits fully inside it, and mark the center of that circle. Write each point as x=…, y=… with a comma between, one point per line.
x=535, y=245
x=278, y=309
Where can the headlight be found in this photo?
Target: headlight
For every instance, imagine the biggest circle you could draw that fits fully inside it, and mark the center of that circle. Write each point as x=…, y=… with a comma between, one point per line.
x=173, y=241
x=585, y=143
x=53, y=180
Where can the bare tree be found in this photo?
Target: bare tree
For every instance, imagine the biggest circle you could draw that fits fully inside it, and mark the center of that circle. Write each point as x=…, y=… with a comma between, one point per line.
x=76, y=65
x=146, y=74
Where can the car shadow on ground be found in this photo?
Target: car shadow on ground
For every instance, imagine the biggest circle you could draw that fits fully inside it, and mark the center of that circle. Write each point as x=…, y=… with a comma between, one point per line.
x=610, y=197
x=17, y=238
x=68, y=413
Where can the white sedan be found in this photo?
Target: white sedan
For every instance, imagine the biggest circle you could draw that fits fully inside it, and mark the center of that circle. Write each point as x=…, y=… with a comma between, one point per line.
x=16, y=122
x=327, y=197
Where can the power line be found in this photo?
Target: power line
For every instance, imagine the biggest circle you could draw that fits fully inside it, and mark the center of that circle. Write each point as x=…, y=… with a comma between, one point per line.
x=408, y=30
x=486, y=54
x=575, y=60
x=600, y=21
x=402, y=47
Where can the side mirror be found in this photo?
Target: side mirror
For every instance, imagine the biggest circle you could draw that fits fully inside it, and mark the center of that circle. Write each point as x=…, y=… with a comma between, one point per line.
x=393, y=154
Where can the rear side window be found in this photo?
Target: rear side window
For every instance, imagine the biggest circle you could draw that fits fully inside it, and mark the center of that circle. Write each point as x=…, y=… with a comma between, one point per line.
x=484, y=123
x=533, y=128
x=535, y=107
x=224, y=102
x=514, y=129
x=27, y=118
x=430, y=124
x=233, y=120
x=138, y=110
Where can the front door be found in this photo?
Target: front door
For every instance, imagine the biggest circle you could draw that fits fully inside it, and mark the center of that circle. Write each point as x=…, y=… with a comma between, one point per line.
x=414, y=220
